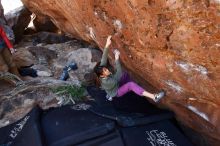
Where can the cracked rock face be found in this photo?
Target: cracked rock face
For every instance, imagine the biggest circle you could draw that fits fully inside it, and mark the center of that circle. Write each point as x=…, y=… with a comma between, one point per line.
x=173, y=44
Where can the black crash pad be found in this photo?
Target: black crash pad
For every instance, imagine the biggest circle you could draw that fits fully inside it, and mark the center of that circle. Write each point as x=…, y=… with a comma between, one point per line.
x=128, y=110
x=140, y=124
x=24, y=132
x=112, y=139
x=162, y=133
x=66, y=126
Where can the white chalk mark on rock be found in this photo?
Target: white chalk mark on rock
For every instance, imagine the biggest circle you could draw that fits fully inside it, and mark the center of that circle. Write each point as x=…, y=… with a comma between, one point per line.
x=101, y=15
x=201, y=69
x=218, y=45
x=96, y=13
x=183, y=65
x=215, y=1
x=92, y=34
x=201, y=114
x=174, y=86
x=188, y=67
x=104, y=15
x=117, y=23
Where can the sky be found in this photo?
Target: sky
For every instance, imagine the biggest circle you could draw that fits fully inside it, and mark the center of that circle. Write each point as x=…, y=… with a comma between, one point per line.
x=9, y=5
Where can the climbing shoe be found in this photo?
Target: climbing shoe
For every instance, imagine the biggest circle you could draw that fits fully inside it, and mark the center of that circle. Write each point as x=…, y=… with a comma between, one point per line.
x=65, y=74
x=159, y=96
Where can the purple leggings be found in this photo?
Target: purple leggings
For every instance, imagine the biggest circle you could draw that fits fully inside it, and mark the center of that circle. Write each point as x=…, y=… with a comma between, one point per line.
x=126, y=85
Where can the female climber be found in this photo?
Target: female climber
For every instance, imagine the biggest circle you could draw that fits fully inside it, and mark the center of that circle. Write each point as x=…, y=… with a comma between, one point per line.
x=117, y=84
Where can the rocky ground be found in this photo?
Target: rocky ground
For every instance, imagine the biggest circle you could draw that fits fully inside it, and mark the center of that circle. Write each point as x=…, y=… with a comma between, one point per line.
x=49, y=53
x=173, y=44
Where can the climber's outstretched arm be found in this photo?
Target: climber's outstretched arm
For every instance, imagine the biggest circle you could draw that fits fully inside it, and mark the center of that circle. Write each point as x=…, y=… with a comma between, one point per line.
x=118, y=73
x=105, y=52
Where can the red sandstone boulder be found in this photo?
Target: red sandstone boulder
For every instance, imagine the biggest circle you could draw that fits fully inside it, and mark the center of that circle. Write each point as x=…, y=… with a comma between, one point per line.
x=173, y=44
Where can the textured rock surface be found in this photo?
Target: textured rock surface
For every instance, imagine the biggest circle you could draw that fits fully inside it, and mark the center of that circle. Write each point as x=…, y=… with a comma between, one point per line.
x=42, y=23
x=173, y=44
x=18, y=19
x=15, y=102
x=54, y=57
